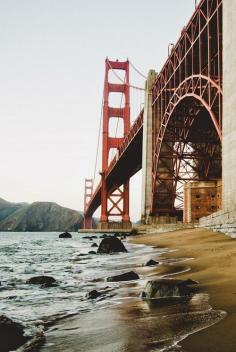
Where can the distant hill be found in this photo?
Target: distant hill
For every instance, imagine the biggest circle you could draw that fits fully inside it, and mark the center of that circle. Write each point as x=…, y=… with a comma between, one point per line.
x=39, y=216
x=7, y=208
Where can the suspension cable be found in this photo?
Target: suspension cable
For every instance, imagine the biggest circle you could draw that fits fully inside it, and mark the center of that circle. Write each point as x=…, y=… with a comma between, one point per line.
x=98, y=142
x=135, y=68
x=121, y=80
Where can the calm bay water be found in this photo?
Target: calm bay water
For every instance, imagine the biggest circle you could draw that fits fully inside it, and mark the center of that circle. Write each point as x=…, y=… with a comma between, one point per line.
x=23, y=255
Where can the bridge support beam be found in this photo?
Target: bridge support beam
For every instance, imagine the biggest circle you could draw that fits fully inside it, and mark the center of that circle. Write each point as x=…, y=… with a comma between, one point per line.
x=147, y=149
x=88, y=222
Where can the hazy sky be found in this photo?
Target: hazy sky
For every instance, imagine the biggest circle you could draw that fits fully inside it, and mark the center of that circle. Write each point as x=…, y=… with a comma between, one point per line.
x=52, y=56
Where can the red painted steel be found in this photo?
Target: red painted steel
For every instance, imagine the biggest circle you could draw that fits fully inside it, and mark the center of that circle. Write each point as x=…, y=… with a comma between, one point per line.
x=114, y=203
x=187, y=118
x=88, y=192
x=187, y=108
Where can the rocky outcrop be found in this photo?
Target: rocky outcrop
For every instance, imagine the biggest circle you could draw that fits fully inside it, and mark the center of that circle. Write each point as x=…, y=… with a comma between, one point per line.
x=129, y=276
x=44, y=281
x=11, y=334
x=111, y=245
x=164, y=288
x=65, y=235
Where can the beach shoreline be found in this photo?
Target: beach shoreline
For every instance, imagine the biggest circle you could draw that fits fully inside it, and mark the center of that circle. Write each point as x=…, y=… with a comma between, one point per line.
x=212, y=259
x=131, y=324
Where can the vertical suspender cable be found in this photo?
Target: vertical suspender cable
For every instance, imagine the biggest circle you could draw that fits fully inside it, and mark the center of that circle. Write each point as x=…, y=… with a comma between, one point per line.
x=98, y=142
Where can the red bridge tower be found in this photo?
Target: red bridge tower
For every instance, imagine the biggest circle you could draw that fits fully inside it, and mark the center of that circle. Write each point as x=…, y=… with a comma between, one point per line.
x=116, y=202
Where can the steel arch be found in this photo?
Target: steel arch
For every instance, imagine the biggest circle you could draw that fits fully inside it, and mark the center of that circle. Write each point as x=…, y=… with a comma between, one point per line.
x=204, y=90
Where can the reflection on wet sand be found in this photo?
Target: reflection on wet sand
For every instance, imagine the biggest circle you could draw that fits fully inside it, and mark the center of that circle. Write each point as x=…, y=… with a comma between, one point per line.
x=134, y=325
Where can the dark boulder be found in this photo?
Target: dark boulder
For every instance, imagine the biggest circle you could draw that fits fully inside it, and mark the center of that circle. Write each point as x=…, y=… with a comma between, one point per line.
x=151, y=262
x=44, y=281
x=94, y=294
x=111, y=245
x=131, y=275
x=92, y=252
x=11, y=334
x=94, y=245
x=65, y=235
x=164, y=288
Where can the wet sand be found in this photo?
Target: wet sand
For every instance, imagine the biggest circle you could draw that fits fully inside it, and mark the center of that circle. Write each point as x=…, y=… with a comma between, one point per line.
x=214, y=266
x=133, y=325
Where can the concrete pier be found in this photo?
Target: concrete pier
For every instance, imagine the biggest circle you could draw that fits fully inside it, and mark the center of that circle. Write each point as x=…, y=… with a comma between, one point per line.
x=229, y=105
x=225, y=220
x=147, y=149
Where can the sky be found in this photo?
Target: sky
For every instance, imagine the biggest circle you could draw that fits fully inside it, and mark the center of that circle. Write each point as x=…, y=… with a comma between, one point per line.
x=51, y=85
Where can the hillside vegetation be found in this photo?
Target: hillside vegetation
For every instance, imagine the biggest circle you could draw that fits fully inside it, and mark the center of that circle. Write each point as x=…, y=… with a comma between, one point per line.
x=38, y=216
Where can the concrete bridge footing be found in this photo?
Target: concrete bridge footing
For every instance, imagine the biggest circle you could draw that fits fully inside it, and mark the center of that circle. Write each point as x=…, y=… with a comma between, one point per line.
x=115, y=225
x=147, y=149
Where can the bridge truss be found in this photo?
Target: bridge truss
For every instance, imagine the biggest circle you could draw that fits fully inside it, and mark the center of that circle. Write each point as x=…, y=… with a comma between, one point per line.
x=187, y=111
x=186, y=121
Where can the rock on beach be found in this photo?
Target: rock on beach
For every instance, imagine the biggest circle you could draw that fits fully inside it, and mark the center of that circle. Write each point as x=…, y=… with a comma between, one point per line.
x=11, y=334
x=111, y=245
x=44, y=281
x=131, y=275
x=151, y=262
x=164, y=288
x=65, y=235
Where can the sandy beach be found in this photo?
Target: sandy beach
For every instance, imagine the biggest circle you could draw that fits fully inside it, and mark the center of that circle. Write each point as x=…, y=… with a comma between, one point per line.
x=213, y=265
x=132, y=325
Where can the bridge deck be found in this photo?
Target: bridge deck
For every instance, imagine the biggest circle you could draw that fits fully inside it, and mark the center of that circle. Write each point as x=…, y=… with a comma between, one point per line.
x=121, y=168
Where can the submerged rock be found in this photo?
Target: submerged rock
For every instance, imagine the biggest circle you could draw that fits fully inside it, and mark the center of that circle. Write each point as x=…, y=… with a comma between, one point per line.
x=11, y=334
x=111, y=245
x=131, y=275
x=94, y=245
x=92, y=252
x=151, y=262
x=44, y=281
x=164, y=288
x=94, y=294
x=65, y=235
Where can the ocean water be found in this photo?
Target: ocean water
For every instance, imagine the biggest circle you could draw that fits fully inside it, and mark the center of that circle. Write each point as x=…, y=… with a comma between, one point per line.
x=163, y=324
x=24, y=255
